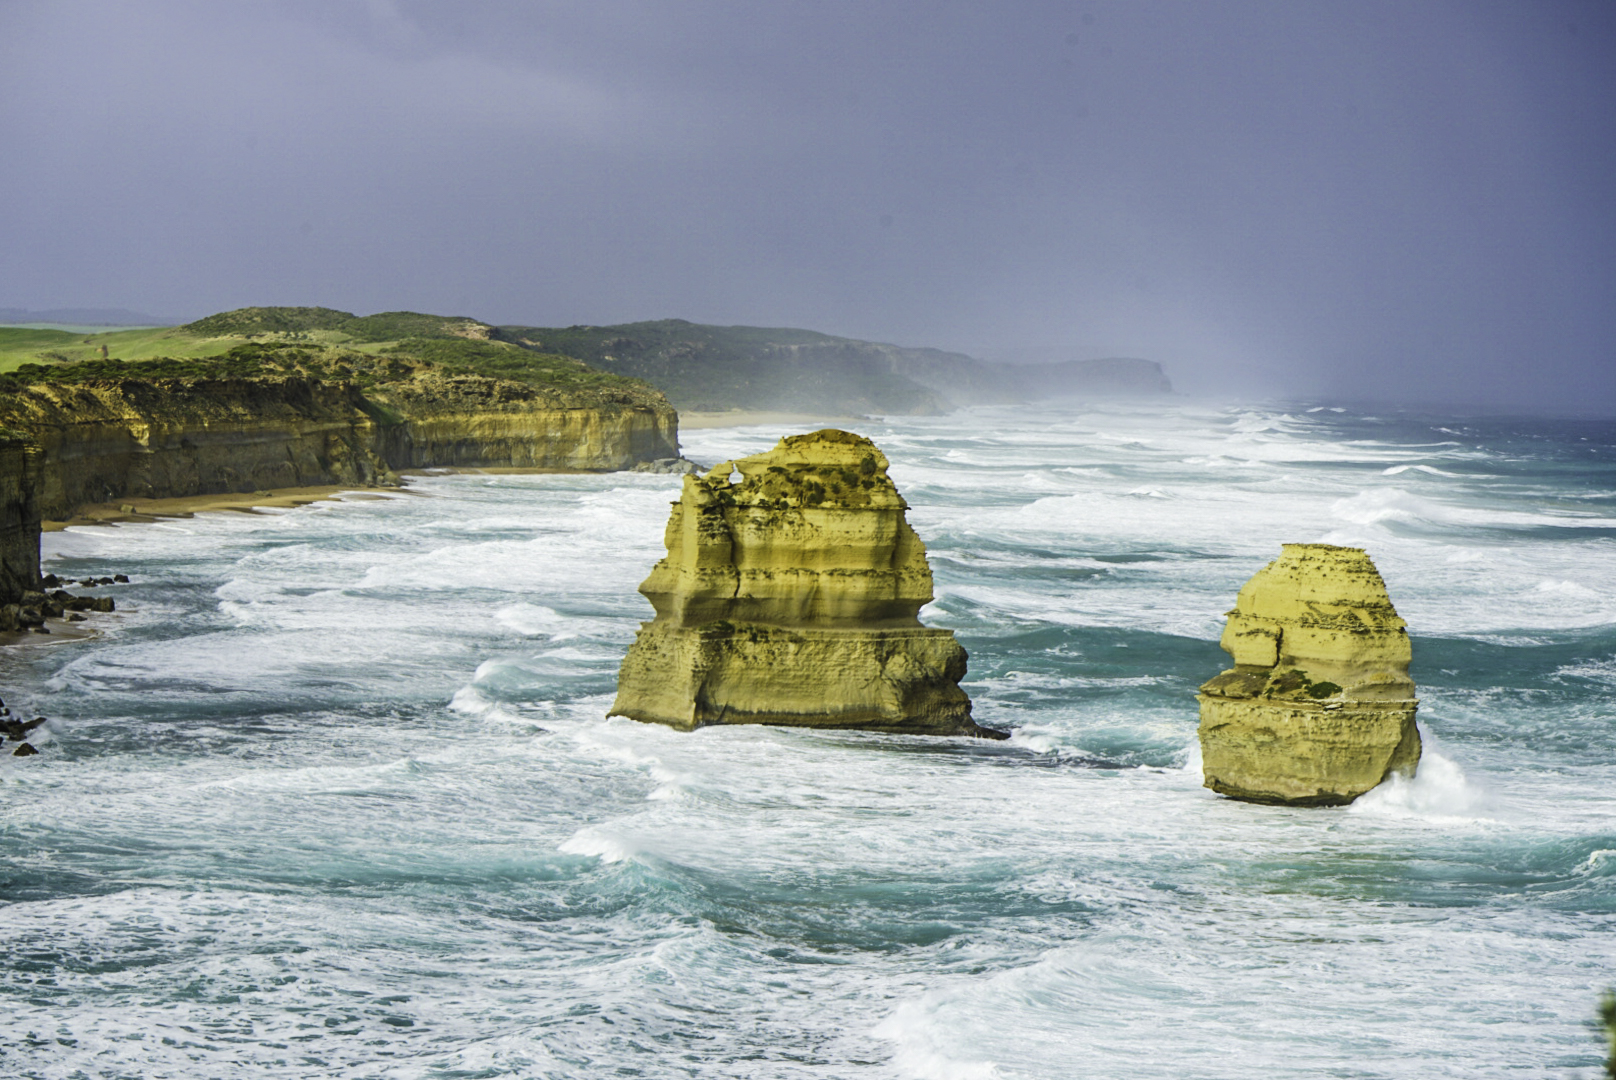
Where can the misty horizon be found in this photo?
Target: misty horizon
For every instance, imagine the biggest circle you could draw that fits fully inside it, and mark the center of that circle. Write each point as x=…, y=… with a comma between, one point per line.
x=1369, y=201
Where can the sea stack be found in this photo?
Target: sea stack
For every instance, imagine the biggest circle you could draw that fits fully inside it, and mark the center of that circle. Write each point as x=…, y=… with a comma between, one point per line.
x=1318, y=708
x=790, y=595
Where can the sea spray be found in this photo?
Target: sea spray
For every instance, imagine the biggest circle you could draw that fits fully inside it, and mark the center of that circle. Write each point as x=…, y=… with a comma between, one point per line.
x=268, y=846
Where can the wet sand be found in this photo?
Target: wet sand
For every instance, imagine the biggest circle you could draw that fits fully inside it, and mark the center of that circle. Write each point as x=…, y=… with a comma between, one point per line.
x=184, y=506
x=61, y=631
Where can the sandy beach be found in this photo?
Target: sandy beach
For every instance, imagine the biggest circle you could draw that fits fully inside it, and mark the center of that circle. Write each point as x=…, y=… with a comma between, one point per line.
x=184, y=506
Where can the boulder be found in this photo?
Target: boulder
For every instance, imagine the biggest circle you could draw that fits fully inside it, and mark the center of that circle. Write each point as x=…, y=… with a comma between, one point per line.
x=790, y=595
x=1319, y=707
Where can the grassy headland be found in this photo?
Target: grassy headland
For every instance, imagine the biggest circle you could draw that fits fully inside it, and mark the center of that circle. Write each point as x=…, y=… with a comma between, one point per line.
x=320, y=343
x=715, y=368
x=718, y=368
x=697, y=367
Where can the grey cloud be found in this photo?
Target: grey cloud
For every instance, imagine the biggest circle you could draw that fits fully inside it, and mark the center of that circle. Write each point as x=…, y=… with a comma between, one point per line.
x=1373, y=199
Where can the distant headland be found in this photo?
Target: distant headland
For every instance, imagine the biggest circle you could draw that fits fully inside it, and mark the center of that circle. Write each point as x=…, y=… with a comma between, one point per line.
x=698, y=368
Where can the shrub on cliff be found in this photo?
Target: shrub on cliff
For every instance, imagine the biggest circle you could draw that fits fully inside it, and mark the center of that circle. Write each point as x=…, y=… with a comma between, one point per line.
x=269, y=320
x=497, y=360
x=384, y=326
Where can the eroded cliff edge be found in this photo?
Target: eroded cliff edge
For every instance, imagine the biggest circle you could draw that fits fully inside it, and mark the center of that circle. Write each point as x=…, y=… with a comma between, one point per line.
x=19, y=520
x=102, y=439
x=296, y=405
x=790, y=595
x=1319, y=707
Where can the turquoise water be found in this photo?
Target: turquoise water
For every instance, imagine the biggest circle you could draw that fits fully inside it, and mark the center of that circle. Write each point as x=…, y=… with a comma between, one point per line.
x=333, y=795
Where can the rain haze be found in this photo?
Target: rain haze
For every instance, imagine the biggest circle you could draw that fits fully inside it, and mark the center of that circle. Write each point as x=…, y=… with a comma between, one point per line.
x=1372, y=201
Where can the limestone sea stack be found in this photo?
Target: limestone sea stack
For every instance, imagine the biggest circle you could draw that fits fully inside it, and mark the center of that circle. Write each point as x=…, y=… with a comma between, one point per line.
x=790, y=595
x=1319, y=707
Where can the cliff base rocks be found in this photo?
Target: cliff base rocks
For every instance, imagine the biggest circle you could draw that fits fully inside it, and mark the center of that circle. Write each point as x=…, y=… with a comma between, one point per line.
x=1318, y=708
x=790, y=595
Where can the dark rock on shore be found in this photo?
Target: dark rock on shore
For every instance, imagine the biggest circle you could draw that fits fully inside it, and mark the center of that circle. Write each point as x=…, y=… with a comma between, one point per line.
x=17, y=730
x=679, y=466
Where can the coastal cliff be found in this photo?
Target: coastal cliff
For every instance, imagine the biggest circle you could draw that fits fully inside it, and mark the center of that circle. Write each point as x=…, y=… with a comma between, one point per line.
x=474, y=421
x=108, y=440
x=790, y=595
x=19, y=520
x=280, y=411
x=1319, y=707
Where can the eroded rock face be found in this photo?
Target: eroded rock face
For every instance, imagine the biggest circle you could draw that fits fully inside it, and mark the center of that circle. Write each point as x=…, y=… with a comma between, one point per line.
x=157, y=439
x=19, y=525
x=1318, y=708
x=790, y=595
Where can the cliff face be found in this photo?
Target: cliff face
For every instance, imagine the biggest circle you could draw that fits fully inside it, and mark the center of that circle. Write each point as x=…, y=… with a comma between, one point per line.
x=110, y=439
x=790, y=596
x=1319, y=707
x=471, y=420
x=19, y=519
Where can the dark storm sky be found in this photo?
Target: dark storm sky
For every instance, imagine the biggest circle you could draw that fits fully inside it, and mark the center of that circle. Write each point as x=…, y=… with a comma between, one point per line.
x=1404, y=201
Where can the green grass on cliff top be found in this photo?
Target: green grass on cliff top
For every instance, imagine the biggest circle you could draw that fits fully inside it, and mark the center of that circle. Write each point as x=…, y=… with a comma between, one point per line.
x=320, y=342
x=218, y=334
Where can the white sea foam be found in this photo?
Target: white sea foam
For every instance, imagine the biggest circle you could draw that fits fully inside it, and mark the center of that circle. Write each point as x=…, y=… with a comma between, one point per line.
x=928, y=1049
x=1429, y=469
x=362, y=806
x=1438, y=794
x=600, y=844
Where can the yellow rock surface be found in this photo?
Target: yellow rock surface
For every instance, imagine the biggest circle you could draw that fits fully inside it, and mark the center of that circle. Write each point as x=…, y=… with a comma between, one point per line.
x=131, y=438
x=1319, y=707
x=790, y=595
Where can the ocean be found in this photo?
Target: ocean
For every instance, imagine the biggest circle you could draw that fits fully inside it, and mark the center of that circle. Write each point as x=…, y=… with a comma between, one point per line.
x=333, y=793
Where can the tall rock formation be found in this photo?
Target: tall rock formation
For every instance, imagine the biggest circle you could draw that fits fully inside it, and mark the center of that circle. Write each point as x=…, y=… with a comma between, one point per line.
x=790, y=595
x=1318, y=708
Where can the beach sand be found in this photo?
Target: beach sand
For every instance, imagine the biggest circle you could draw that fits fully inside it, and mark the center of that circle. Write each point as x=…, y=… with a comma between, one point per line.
x=184, y=506
x=61, y=632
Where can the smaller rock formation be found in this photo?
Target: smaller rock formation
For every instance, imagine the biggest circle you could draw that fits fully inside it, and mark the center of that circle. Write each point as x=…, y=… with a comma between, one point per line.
x=790, y=595
x=1318, y=708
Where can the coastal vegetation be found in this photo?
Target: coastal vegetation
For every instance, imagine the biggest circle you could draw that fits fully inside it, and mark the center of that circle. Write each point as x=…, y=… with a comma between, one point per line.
x=318, y=343
x=751, y=367
x=698, y=367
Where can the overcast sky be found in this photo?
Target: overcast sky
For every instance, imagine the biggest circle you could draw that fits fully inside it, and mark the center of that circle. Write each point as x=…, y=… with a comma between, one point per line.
x=1412, y=201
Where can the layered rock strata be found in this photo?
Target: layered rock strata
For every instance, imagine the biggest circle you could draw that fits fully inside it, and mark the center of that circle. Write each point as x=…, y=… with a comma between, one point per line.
x=472, y=420
x=109, y=439
x=19, y=526
x=790, y=595
x=1319, y=707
